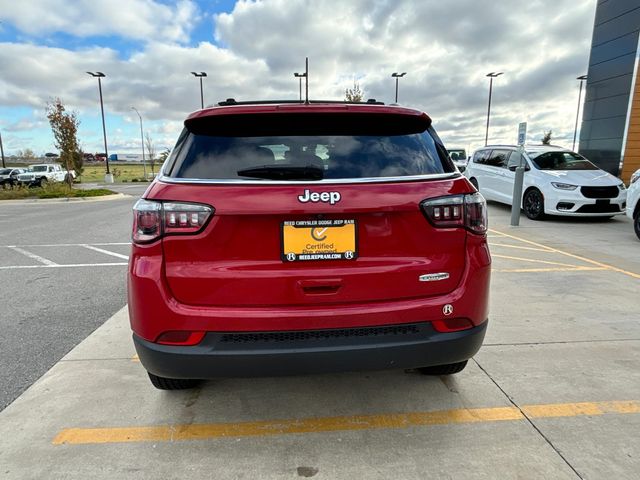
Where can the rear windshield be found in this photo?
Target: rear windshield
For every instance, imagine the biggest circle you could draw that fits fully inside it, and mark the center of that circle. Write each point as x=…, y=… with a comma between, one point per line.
x=308, y=157
x=560, y=161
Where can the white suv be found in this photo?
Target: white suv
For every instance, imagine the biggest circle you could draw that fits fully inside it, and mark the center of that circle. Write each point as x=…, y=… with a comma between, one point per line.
x=556, y=181
x=633, y=201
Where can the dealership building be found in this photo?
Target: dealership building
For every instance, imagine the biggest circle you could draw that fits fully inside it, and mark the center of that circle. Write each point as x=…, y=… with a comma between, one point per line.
x=610, y=133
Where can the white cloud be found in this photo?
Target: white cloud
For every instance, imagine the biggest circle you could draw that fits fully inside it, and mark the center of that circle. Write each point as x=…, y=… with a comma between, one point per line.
x=138, y=19
x=446, y=48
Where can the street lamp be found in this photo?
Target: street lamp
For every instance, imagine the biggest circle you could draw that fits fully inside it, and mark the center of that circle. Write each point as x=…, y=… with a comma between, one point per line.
x=397, y=76
x=200, y=75
x=300, y=76
x=144, y=165
x=491, y=76
x=582, y=78
x=2, y=151
x=99, y=76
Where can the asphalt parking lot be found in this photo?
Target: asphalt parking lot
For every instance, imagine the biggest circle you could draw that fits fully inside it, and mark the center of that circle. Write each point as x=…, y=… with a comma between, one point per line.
x=553, y=393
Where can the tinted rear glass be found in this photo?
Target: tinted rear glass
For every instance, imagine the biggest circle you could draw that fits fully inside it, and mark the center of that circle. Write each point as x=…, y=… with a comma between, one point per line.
x=560, y=161
x=202, y=156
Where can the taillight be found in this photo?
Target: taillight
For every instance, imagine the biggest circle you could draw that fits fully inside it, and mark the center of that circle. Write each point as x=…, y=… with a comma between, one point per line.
x=152, y=220
x=466, y=211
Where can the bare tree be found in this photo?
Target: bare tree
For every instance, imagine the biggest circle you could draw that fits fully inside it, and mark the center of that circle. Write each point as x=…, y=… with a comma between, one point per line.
x=354, y=94
x=546, y=139
x=65, y=130
x=151, y=150
x=26, y=154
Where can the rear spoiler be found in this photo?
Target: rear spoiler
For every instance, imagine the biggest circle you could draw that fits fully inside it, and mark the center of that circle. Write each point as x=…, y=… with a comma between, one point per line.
x=311, y=123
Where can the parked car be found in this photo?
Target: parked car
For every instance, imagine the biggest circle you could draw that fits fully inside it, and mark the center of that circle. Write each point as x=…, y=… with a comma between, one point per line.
x=38, y=175
x=9, y=176
x=459, y=157
x=299, y=238
x=633, y=201
x=557, y=181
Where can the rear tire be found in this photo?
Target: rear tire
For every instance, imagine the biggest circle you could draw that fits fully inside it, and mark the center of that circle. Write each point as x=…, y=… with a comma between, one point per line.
x=474, y=182
x=533, y=204
x=636, y=223
x=162, y=383
x=448, y=369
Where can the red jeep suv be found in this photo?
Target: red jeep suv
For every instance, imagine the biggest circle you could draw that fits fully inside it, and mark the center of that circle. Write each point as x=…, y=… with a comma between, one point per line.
x=289, y=238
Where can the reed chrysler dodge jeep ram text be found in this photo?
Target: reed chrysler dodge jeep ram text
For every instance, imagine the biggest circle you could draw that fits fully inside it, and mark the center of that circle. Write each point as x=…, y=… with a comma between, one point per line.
x=288, y=238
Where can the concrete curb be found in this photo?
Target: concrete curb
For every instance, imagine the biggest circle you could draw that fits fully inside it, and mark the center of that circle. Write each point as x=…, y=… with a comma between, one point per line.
x=27, y=201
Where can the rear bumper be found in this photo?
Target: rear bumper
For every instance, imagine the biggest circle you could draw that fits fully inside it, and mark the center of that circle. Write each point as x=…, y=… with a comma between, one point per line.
x=320, y=351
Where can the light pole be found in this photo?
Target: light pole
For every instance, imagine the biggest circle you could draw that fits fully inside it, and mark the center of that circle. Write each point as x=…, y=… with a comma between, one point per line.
x=582, y=78
x=397, y=76
x=300, y=76
x=144, y=164
x=2, y=151
x=200, y=75
x=491, y=76
x=99, y=76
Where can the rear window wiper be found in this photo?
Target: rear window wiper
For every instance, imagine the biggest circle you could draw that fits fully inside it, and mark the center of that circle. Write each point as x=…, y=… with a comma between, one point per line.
x=283, y=172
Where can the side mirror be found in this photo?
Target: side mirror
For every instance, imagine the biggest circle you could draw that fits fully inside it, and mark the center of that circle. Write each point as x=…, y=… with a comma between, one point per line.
x=513, y=167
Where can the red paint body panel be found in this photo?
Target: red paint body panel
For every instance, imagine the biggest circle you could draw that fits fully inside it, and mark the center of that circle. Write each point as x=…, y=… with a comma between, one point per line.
x=236, y=259
x=154, y=307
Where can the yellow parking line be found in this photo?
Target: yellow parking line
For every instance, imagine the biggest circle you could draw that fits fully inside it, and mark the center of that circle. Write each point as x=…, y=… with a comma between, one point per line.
x=135, y=358
x=520, y=247
x=552, y=269
x=170, y=433
x=533, y=260
x=577, y=257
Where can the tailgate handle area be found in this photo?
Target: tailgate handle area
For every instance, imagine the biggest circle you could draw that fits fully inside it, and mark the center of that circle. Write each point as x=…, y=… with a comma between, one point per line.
x=325, y=286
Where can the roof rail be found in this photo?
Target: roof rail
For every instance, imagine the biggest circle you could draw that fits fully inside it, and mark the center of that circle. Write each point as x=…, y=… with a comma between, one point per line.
x=232, y=101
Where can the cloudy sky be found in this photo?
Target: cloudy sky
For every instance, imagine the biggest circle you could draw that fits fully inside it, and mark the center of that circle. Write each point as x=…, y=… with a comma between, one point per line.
x=250, y=50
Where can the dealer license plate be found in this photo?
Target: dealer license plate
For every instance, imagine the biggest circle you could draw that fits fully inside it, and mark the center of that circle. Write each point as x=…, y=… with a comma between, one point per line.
x=304, y=240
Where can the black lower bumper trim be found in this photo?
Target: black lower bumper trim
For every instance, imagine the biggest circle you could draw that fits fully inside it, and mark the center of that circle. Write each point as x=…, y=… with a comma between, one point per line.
x=418, y=345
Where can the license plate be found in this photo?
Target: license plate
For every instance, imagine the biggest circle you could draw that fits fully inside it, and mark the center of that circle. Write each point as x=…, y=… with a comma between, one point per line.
x=304, y=240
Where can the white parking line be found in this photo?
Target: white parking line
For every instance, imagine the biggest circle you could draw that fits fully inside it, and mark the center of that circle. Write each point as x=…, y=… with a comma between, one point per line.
x=55, y=265
x=106, y=252
x=38, y=258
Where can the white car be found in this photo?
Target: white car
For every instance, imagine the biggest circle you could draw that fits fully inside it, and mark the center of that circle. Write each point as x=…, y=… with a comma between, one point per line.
x=556, y=181
x=633, y=201
x=459, y=157
x=42, y=174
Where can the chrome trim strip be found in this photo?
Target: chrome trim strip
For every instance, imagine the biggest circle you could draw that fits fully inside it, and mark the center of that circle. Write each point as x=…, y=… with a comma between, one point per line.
x=232, y=181
x=434, y=277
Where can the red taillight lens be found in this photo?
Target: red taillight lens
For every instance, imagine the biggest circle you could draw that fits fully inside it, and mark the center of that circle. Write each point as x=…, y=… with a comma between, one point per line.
x=468, y=211
x=152, y=220
x=180, y=337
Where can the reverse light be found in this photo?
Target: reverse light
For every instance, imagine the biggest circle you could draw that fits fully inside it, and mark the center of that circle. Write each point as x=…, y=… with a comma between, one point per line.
x=465, y=211
x=152, y=219
x=564, y=186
